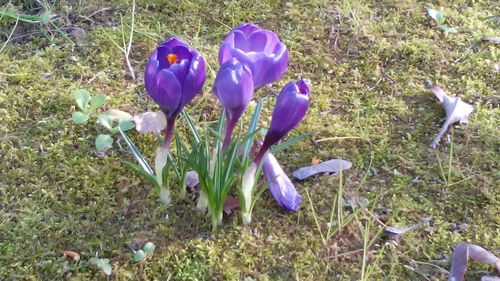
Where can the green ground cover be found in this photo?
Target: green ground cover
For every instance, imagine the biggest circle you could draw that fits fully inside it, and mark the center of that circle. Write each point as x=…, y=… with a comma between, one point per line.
x=367, y=61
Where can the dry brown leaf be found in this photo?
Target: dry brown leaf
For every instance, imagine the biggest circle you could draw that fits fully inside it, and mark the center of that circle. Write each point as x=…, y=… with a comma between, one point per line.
x=71, y=255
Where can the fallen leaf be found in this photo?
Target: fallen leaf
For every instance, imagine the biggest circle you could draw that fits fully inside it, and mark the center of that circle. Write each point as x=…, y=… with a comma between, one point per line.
x=231, y=203
x=456, y=111
x=150, y=122
x=330, y=166
x=399, y=231
x=490, y=278
x=71, y=255
x=461, y=255
x=491, y=39
x=315, y=160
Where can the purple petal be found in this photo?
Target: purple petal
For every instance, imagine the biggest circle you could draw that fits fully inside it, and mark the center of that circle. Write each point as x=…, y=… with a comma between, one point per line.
x=281, y=187
x=194, y=81
x=180, y=70
x=247, y=28
x=182, y=52
x=169, y=92
x=241, y=41
x=173, y=42
x=258, y=40
x=150, y=75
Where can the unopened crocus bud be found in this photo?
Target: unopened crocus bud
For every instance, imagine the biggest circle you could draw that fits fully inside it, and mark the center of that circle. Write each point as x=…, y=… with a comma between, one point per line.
x=280, y=185
x=233, y=87
x=290, y=109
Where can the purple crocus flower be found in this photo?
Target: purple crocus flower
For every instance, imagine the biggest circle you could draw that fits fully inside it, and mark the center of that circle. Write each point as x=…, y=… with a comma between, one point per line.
x=290, y=109
x=281, y=187
x=234, y=88
x=174, y=74
x=259, y=49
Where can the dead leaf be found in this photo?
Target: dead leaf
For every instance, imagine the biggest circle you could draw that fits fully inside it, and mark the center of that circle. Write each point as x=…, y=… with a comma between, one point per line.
x=330, y=166
x=456, y=111
x=461, y=255
x=71, y=255
x=231, y=203
x=491, y=39
x=399, y=231
x=150, y=122
x=315, y=160
x=490, y=278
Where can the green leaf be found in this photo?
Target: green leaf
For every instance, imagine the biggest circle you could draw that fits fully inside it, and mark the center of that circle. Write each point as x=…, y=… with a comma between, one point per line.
x=104, y=120
x=139, y=255
x=103, y=142
x=447, y=29
x=251, y=129
x=144, y=164
x=45, y=17
x=98, y=101
x=436, y=15
x=79, y=117
x=118, y=115
x=289, y=142
x=192, y=127
x=149, y=248
x=82, y=98
x=94, y=260
x=126, y=125
x=106, y=269
x=152, y=179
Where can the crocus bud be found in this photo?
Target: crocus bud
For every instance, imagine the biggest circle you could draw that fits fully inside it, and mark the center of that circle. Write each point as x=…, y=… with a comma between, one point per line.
x=290, y=109
x=234, y=88
x=174, y=74
x=281, y=187
x=257, y=48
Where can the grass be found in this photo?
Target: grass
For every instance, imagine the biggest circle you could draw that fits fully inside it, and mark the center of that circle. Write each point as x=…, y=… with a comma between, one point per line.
x=367, y=61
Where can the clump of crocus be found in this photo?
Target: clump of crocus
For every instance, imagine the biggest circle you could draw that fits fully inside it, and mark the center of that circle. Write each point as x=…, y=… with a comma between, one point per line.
x=257, y=48
x=234, y=88
x=290, y=109
x=174, y=74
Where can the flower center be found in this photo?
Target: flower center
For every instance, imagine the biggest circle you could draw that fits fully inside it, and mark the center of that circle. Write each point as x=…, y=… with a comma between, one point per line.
x=172, y=58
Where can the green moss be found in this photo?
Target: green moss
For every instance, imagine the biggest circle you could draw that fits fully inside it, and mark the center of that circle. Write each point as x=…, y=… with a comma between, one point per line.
x=367, y=61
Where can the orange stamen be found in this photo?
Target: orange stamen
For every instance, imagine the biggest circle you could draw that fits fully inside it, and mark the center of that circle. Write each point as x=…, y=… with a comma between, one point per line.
x=172, y=58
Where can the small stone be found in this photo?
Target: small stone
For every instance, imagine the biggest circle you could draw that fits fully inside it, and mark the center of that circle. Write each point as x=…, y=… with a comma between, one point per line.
x=78, y=33
x=289, y=4
x=73, y=58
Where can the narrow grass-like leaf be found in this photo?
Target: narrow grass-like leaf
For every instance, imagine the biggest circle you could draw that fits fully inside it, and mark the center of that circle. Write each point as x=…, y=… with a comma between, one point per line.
x=289, y=142
x=144, y=164
x=252, y=130
x=191, y=126
x=152, y=179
